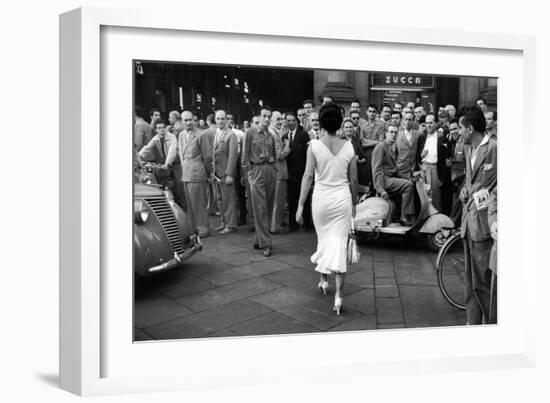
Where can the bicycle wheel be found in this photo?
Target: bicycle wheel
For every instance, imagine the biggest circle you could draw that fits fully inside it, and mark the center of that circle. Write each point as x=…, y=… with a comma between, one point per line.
x=451, y=271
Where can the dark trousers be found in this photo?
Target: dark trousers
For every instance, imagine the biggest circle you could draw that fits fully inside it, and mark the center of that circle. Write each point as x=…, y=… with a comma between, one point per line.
x=293, y=198
x=241, y=197
x=478, y=281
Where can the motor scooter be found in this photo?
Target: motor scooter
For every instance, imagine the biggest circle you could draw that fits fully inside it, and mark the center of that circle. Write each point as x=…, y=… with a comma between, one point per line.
x=375, y=216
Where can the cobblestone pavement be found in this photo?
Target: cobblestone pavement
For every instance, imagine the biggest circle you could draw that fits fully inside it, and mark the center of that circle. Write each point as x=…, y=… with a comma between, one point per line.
x=230, y=289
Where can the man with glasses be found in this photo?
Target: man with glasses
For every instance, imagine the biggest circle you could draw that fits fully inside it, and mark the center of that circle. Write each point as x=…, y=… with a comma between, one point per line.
x=355, y=106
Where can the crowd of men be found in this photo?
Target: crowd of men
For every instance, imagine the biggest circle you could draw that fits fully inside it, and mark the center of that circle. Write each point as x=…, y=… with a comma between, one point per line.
x=256, y=172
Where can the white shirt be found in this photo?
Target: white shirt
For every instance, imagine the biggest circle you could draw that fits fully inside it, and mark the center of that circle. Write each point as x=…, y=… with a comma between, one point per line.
x=408, y=136
x=431, y=146
x=291, y=135
x=474, y=154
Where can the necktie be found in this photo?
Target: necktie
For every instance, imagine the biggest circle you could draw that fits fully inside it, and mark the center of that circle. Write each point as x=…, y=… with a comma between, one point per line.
x=162, y=152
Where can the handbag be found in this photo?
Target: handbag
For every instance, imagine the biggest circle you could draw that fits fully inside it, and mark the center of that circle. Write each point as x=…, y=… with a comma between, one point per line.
x=353, y=251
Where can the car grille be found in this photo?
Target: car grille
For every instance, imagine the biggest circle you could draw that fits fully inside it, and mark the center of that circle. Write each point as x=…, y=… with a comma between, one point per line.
x=167, y=219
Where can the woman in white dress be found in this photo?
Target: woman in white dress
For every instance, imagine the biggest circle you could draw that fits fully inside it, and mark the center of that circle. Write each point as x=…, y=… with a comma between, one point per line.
x=332, y=161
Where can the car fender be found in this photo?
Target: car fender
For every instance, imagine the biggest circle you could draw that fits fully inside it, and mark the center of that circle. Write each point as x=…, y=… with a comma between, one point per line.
x=150, y=248
x=435, y=222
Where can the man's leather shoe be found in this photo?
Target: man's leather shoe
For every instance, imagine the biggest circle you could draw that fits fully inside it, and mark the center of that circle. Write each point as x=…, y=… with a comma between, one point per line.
x=256, y=246
x=220, y=227
x=227, y=231
x=267, y=251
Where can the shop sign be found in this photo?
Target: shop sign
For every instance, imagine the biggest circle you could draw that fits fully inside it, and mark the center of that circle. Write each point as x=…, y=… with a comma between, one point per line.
x=401, y=80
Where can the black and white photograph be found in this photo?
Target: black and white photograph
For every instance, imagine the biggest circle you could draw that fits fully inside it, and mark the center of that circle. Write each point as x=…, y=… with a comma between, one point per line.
x=273, y=200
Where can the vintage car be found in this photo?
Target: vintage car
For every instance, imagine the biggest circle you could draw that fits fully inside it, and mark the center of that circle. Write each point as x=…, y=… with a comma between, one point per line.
x=163, y=236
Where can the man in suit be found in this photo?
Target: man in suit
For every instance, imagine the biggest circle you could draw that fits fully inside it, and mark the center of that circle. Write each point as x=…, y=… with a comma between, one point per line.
x=315, y=131
x=239, y=186
x=258, y=160
x=282, y=148
x=224, y=170
x=480, y=181
x=163, y=149
x=296, y=164
x=195, y=151
x=407, y=147
x=143, y=132
x=431, y=158
x=386, y=177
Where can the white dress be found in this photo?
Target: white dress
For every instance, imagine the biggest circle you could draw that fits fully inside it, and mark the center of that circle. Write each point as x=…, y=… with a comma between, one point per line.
x=331, y=206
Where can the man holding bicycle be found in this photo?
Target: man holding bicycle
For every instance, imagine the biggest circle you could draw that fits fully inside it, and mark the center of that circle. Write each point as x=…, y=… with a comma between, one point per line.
x=480, y=181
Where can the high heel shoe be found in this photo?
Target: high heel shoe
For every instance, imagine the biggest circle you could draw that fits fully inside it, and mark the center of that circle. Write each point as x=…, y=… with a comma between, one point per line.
x=323, y=286
x=337, y=305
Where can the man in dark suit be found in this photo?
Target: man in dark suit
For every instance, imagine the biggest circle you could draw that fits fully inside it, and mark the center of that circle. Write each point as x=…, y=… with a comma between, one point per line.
x=480, y=181
x=431, y=157
x=296, y=165
x=386, y=177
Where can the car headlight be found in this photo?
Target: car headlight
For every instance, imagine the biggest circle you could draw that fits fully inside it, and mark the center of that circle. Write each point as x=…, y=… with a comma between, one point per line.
x=141, y=212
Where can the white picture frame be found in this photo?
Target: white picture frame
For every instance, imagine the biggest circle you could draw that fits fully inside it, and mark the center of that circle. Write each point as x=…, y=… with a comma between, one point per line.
x=89, y=340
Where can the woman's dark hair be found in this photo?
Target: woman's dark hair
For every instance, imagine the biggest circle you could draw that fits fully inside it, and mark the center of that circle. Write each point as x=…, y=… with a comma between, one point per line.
x=330, y=117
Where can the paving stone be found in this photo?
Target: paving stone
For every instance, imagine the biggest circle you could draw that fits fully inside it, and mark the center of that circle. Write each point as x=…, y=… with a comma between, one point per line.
x=246, y=258
x=385, y=282
x=182, y=285
x=272, y=323
x=241, y=273
x=390, y=326
x=365, y=322
x=362, y=301
x=207, y=322
x=383, y=270
x=306, y=282
x=426, y=305
x=223, y=333
x=363, y=278
x=419, y=273
x=140, y=335
x=223, y=295
x=387, y=291
x=316, y=312
x=296, y=260
x=388, y=310
x=156, y=308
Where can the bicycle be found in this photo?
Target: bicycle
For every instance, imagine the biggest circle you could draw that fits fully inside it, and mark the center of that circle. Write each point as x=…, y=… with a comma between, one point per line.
x=451, y=271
